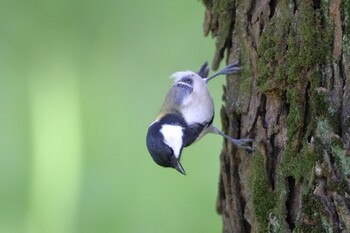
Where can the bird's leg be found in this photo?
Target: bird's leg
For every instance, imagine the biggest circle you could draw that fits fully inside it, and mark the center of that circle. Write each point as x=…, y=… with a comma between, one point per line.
x=230, y=69
x=242, y=143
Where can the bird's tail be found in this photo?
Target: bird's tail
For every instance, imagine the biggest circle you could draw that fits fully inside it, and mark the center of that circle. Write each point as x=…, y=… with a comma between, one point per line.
x=204, y=70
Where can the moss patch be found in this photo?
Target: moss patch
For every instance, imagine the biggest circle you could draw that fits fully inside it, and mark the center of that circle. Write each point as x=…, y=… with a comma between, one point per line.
x=264, y=200
x=271, y=52
x=311, y=207
x=291, y=52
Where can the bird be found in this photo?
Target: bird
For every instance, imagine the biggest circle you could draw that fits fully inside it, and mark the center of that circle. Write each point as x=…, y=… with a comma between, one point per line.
x=185, y=116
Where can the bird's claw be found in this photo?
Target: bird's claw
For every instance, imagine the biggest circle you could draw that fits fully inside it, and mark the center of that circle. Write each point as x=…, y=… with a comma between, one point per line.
x=243, y=143
x=231, y=68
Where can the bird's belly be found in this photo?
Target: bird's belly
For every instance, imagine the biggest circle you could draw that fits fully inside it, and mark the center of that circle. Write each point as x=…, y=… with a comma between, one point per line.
x=197, y=113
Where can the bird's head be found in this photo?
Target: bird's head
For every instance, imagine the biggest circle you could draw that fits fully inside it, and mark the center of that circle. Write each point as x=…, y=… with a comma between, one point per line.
x=165, y=142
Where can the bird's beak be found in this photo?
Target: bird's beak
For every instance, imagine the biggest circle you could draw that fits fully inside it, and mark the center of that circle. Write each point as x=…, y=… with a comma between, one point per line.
x=180, y=169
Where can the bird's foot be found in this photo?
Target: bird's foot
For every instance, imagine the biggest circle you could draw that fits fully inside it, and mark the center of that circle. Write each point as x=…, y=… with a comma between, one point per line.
x=243, y=143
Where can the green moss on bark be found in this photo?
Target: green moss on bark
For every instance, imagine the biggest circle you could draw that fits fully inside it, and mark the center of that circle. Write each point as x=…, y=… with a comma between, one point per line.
x=264, y=200
x=294, y=52
x=311, y=208
x=267, y=56
x=290, y=57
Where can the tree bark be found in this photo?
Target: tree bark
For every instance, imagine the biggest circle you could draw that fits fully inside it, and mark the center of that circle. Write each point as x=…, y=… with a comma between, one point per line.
x=293, y=98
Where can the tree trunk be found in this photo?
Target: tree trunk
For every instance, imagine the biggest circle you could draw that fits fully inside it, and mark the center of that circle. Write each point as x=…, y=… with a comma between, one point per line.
x=293, y=98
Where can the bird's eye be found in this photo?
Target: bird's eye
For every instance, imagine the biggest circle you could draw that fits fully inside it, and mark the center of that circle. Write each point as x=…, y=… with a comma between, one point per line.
x=187, y=80
x=171, y=151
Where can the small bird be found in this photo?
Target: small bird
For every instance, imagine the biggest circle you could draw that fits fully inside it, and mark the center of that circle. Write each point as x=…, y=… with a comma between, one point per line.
x=186, y=116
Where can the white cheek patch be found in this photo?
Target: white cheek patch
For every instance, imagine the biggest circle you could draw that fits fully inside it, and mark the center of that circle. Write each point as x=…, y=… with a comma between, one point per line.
x=173, y=137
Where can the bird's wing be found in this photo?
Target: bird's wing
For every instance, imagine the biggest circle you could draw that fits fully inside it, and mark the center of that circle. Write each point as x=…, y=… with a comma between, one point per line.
x=175, y=98
x=178, y=93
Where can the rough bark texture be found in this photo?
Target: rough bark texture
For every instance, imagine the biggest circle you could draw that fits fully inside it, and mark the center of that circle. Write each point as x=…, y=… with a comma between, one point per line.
x=293, y=98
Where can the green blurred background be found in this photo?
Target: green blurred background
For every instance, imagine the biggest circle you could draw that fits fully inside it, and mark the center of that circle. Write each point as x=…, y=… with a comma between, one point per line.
x=80, y=82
